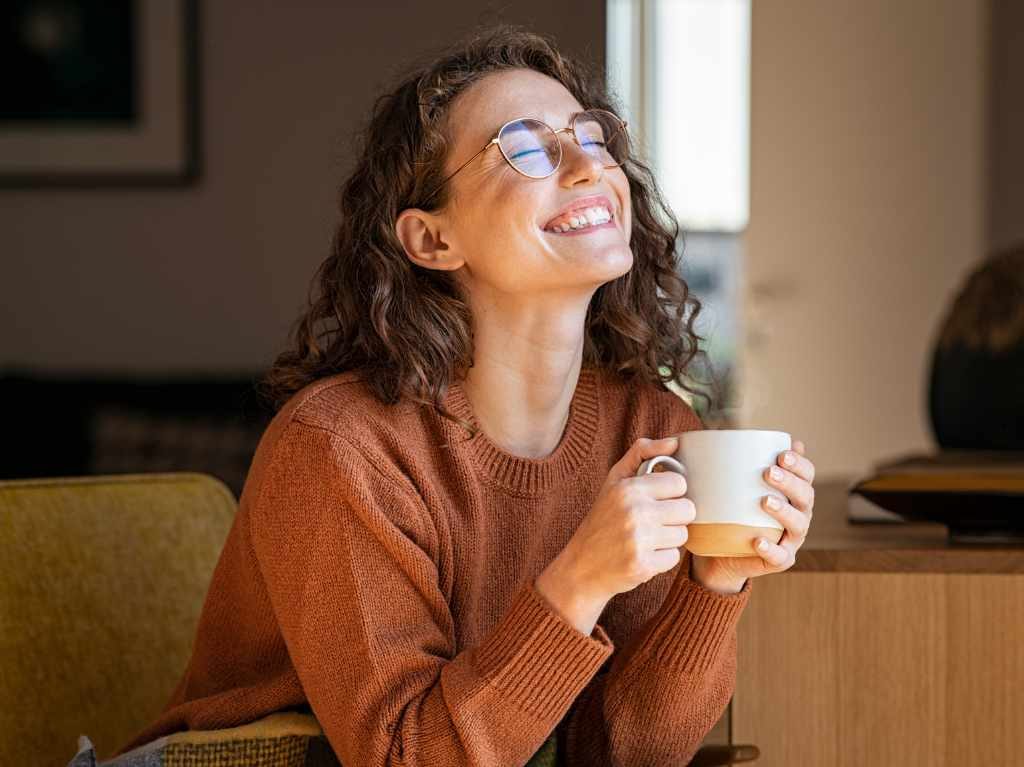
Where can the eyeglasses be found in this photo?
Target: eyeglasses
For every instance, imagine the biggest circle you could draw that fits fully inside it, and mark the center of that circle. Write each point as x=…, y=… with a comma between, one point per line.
x=533, y=149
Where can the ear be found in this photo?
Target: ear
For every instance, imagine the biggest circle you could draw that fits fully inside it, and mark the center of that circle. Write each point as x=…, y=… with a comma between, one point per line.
x=421, y=236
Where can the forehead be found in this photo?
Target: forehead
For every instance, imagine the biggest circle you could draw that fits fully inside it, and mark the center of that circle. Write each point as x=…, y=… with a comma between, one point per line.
x=492, y=101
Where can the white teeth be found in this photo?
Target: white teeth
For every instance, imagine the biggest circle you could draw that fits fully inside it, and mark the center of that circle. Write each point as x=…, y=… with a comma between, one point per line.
x=584, y=218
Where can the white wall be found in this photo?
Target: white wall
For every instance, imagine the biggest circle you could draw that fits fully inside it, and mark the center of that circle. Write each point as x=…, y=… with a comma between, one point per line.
x=868, y=207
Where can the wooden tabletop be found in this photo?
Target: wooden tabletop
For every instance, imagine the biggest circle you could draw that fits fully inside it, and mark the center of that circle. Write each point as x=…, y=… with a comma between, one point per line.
x=836, y=545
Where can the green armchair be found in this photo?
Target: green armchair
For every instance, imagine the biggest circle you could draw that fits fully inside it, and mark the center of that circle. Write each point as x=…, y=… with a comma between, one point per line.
x=102, y=580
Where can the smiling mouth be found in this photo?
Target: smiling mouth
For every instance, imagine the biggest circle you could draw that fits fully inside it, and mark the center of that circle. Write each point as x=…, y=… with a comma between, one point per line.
x=582, y=219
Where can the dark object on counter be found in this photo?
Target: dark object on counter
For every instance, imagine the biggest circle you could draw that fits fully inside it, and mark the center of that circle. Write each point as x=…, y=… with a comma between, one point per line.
x=976, y=390
x=977, y=494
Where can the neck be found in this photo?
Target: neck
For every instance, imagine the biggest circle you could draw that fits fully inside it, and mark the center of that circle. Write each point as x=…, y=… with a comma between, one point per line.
x=523, y=411
x=527, y=357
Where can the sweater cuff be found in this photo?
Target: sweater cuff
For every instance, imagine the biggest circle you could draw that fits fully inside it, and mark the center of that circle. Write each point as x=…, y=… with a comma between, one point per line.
x=693, y=625
x=538, y=659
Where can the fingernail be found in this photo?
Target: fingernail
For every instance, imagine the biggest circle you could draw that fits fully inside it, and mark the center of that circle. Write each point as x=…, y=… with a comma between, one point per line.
x=788, y=459
x=776, y=472
x=773, y=502
x=762, y=544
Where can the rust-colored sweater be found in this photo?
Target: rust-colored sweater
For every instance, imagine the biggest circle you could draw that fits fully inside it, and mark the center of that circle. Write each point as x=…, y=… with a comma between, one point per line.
x=385, y=583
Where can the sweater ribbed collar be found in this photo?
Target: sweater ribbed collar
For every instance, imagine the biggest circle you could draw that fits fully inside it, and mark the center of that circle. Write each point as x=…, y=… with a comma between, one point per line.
x=533, y=476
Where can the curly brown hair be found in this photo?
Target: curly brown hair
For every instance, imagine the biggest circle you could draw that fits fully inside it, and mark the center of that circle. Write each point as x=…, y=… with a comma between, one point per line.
x=409, y=328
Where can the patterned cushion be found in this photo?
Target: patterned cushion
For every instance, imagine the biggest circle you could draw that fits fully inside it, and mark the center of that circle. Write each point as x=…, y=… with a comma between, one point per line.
x=282, y=739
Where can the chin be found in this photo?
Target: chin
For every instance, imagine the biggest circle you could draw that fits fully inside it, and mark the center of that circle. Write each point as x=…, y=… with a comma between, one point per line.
x=609, y=262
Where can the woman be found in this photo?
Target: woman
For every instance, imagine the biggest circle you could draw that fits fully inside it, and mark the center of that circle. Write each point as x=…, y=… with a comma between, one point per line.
x=441, y=549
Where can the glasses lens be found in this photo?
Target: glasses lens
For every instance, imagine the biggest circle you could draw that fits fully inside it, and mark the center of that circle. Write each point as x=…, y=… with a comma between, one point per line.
x=602, y=134
x=531, y=147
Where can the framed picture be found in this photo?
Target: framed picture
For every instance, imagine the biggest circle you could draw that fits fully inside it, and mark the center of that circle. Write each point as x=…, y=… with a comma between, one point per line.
x=99, y=93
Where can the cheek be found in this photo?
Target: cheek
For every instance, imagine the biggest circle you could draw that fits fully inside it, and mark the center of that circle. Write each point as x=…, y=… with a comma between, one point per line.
x=622, y=187
x=500, y=231
x=509, y=213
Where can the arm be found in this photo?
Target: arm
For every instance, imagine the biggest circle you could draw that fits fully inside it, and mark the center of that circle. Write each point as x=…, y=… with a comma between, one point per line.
x=345, y=555
x=666, y=688
x=671, y=682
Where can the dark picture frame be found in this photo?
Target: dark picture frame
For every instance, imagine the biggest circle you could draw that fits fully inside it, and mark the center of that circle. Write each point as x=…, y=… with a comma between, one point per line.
x=105, y=94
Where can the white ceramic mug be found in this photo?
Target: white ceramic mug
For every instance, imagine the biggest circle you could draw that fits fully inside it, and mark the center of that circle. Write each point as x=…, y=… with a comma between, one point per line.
x=724, y=470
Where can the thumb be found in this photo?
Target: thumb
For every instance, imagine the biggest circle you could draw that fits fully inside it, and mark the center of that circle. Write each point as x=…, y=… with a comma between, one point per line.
x=639, y=452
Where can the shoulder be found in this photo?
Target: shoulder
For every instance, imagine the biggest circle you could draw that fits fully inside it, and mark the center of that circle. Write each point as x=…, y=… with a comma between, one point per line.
x=652, y=408
x=324, y=457
x=347, y=406
x=341, y=415
x=333, y=402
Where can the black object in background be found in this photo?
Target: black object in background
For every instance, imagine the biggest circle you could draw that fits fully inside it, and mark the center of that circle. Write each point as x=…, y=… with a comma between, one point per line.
x=976, y=398
x=976, y=389
x=81, y=425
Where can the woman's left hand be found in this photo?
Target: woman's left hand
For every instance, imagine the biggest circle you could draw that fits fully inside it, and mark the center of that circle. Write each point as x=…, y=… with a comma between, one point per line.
x=728, y=574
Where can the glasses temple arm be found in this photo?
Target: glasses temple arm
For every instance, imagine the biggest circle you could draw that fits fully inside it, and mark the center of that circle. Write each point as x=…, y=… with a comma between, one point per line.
x=452, y=174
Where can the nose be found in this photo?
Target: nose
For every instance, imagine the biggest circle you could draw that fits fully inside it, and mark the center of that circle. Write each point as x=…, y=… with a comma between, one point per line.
x=578, y=165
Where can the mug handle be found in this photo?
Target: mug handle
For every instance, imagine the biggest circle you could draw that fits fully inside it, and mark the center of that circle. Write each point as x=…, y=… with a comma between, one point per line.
x=648, y=466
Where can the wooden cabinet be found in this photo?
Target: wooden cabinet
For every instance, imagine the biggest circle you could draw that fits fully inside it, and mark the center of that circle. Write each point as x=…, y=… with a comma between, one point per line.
x=882, y=645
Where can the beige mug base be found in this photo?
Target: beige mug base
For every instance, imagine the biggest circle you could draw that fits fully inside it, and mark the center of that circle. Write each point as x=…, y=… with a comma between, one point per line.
x=722, y=539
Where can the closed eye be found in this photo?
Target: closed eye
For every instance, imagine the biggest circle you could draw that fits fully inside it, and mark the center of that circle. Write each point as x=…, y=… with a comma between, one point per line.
x=526, y=153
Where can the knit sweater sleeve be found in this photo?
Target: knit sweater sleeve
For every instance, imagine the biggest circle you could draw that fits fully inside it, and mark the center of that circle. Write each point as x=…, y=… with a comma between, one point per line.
x=347, y=556
x=665, y=688
x=669, y=684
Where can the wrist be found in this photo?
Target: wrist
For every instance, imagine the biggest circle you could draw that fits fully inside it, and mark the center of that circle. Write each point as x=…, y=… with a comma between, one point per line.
x=560, y=587
x=726, y=588
x=700, y=576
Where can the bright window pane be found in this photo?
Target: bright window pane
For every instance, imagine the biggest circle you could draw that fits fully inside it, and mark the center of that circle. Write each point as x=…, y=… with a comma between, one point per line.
x=700, y=109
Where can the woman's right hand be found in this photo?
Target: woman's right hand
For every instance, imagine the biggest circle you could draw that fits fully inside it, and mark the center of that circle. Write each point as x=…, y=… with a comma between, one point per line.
x=636, y=527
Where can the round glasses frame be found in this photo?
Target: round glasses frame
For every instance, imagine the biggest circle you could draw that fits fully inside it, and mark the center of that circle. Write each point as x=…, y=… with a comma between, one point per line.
x=496, y=140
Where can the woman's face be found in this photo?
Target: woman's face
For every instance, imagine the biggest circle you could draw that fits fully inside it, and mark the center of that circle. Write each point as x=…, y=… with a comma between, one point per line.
x=499, y=222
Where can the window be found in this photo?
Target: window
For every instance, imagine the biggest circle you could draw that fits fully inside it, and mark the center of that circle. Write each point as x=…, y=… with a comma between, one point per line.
x=681, y=72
